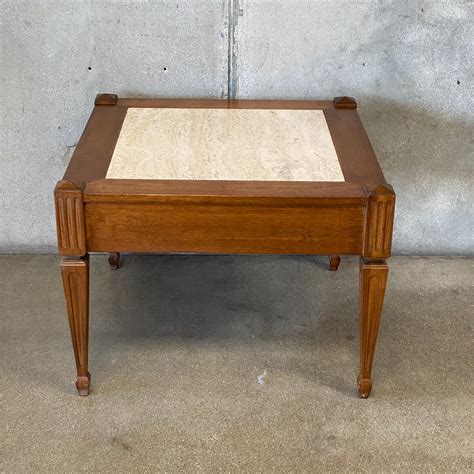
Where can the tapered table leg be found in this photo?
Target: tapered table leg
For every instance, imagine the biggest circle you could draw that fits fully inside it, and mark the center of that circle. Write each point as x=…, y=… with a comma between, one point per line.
x=114, y=260
x=334, y=261
x=75, y=276
x=373, y=280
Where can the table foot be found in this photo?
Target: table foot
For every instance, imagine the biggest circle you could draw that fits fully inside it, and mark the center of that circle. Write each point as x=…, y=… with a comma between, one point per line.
x=334, y=261
x=82, y=384
x=114, y=260
x=365, y=387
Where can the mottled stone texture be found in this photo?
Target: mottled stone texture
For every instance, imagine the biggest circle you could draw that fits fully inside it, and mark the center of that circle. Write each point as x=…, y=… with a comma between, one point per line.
x=408, y=64
x=227, y=145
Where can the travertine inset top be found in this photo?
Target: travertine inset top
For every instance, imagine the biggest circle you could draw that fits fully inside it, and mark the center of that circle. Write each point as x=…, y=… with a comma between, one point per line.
x=225, y=144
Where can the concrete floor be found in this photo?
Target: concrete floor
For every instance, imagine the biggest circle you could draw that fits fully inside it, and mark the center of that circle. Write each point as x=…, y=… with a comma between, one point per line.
x=178, y=343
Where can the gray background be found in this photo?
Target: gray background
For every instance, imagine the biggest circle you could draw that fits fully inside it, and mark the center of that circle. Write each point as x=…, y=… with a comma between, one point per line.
x=408, y=63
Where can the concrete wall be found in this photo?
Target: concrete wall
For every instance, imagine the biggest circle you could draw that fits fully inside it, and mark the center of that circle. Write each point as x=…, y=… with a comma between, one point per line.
x=409, y=64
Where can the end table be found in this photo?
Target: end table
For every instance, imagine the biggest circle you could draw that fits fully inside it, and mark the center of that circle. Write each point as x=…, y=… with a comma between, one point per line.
x=215, y=176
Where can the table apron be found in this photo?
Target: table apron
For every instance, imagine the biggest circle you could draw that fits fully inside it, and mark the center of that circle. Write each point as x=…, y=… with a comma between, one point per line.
x=223, y=228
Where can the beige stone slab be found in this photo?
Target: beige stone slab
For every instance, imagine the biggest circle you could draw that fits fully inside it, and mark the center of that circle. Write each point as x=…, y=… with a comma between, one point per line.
x=225, y=144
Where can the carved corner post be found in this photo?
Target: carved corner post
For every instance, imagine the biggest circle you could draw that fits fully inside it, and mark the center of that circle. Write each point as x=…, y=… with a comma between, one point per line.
x=74, y=272
x=373, y=276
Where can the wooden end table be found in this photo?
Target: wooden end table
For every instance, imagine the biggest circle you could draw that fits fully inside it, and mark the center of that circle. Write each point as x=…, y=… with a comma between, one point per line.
x=212, y=176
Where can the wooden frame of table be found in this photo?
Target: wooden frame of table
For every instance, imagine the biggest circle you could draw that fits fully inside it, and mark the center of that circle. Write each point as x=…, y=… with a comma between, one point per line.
x=96, y=214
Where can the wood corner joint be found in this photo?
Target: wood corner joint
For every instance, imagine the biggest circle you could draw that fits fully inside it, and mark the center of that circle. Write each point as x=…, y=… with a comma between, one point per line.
x=106, y=99
x=68, y=199
x=379, y=222
x=344, y=102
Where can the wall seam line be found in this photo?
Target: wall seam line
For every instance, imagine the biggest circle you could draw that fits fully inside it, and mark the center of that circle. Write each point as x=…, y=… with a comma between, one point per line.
x=233, y=12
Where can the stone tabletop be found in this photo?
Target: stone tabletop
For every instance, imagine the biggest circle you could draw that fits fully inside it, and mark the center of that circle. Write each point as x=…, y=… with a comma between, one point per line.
x=225, y=144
